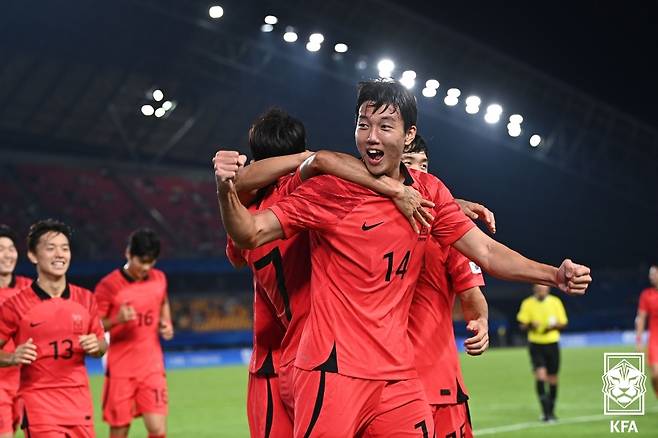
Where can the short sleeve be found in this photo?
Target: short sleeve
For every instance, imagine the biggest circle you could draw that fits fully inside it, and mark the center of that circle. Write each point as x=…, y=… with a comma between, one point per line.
x=643, y=306
x=95, y=325
x=462, y=273
x=524, y=313
x=103, y=298
x=318, y=204
x=8, y=321
x=289, y=183
x=450, y=223
x=235, y=255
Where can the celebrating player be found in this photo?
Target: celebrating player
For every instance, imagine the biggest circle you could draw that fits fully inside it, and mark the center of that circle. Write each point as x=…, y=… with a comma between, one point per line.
x=135, y=309
x=648, y=309
x=54, y=325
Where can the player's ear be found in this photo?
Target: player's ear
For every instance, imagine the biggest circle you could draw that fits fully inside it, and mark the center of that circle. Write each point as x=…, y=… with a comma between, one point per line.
x=32, y=257
x=410, y=135
x=127, y=254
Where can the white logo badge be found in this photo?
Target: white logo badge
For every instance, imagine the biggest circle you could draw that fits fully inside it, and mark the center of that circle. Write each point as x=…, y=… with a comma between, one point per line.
x=623, y=384
x=475, y=269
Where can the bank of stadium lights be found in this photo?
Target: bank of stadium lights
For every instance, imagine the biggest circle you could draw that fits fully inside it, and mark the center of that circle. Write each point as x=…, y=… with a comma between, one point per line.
x=452, y=97
x=290, y=36
x=430, y=88
x=157, y=95
x=535, y=140
x=340, y=48
x=216, y=12
x=408, y=79
x=315, y=41
x=473, y=104
x=385, y=67
x=514, y=125
x=493, y=113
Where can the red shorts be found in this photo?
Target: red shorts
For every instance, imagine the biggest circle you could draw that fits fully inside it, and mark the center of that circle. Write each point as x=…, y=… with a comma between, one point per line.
x=452, y=421
x=55, y=431
x=265, y=411
x=333, y=405
x=127, y=398
x=286, y=387
x=653, y=351
x=9, y=411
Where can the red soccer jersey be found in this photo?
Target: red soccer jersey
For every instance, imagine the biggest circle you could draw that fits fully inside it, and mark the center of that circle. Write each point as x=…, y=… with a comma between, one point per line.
x=282, y=275
x=446, y=273
x=365, y=262
x=135, y=349
x=10, y=376
x=55, y=387
x=649, y=304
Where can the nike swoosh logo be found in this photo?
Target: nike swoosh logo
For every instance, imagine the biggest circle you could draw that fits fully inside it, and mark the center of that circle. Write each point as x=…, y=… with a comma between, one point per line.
x=34, y=324
x=365, y=227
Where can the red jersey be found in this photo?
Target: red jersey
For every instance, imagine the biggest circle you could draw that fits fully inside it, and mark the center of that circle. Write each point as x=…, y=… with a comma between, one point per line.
x=446, y=272
x=282, y=275
x=54, y=324
x=649, y=305
x=10, y=376
x=365, y=262
x=134, y=349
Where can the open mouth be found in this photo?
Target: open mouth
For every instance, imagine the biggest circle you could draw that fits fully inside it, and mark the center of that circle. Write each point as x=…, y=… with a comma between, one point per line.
x=374, y=155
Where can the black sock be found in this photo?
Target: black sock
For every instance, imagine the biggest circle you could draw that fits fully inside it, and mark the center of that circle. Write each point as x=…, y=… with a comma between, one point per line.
x=541, y=388
x=552, y=394
x=543, y=397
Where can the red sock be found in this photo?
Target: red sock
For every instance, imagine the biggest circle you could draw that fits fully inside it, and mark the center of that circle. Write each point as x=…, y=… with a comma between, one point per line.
x=157, y=436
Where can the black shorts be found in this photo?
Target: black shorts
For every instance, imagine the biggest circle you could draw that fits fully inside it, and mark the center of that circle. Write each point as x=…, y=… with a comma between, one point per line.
x=545, y=356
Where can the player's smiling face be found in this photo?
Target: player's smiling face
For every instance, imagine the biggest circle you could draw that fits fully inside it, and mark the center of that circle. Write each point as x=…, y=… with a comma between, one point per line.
x=8, y=256
x=415, y=160
x=653, y=276
x=52, y=255
x=380, y=138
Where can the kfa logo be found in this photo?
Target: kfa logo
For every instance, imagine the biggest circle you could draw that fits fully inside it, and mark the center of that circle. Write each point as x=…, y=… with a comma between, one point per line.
x=623, y=426
x=78, y=327
x=623, y=384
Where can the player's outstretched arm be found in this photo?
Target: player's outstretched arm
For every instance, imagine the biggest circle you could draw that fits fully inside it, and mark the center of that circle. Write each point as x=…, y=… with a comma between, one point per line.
x=262, y=173
x=246, y=230
x=640, y=324
x=502, y=262
x=24, y=354
x=476, y=313
x=410, y=203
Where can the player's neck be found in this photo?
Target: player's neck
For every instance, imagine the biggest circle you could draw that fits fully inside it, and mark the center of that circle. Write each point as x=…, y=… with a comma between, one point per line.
x=53, y=286
x=5, y=279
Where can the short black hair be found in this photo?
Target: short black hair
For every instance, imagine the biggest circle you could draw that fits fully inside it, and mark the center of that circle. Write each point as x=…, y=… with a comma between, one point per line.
x=144, y=242
x=417, y=146
x=276, y=133
x=45, y=226
x=384, y=93
x=6, y=231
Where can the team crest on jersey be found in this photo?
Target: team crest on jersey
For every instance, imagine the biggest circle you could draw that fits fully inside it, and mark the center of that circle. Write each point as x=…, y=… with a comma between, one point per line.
x=78, y=326
x=475, y=269
x=424, y=234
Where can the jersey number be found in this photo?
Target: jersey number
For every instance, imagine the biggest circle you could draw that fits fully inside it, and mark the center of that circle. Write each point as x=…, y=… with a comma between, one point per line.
x=274, y=257
x=67, y=349
x=423, y=427
x=402, y=267
x=145, y=318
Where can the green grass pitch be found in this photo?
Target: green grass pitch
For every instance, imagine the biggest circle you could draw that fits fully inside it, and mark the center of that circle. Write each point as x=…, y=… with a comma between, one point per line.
x=211, y=402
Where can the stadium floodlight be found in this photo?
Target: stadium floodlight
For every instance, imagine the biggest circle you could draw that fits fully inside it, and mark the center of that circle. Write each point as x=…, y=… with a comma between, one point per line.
x=158, y=95
x=432, y=83
x=216, y=11
x=266, y=28
x=340, y=47
x=312, y=46
x=473, y=101
x=454, y=92
x=385, y=66
x=385, y=74
x=516, y=119
x=409, y=74
x=317, y=38
x=429, y=92
x=408, y=82
x=535, y=140
x=494, y=108
x=147, y=110
x=290, y=36
x=472, y=109
x=167, y=105
x=491, y=118
x=271, y=20
x=160, y=112
x=513, y=129
x=451, y=100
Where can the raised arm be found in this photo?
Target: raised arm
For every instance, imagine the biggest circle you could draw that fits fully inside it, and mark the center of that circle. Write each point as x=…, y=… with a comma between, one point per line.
x=262, y=173
x=502, y=262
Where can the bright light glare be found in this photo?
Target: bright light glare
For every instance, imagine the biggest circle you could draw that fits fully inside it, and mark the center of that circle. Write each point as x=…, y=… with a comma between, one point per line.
x=432, y=83
x=472, y=109
x=454, y=92
x=340, y=47
x=290, y=37
x=409, y=74
x=386, y=65
x=216, y=11
x=317, y=38
x=451, y=100
x=361, y=65
x=160, y=112
x=473, y=101
x=408, y=82
x=158, y=95
x=491, y=118
x=495, y=109
x=271, y=20
x=167, y=105
x=516, y=119
x=513, y=129
x=385, y=74
x=535, y=140
x=313, y=46
x=429, y=92
x=266, y=28
x=147, y=110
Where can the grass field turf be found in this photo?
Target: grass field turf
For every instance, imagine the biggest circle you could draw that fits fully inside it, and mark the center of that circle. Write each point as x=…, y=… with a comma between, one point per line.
x=211, y=402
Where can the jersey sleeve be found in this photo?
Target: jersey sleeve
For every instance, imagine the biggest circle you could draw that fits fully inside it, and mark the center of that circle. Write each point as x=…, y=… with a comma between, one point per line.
x=234, y=254
x=450, y=223
x=463, y=274
x=95, y=325
x=561, y=313
x=103, y=298
x=290, y=183
x=318, y=204
x=8, y=321
x=524, y=313
x=643, y=305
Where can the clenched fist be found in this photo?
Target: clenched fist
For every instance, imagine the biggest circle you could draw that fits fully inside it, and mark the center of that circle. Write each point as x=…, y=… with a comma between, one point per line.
x=227, y=164
x=573, y=278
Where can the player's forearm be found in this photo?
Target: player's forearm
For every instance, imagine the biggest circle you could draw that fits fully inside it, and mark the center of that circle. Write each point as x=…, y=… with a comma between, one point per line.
x=640, y=322
x=107, y=323
x=262, y=173
x=102, y=348
x=351, y=169
x=474, y=304
x=6, y=359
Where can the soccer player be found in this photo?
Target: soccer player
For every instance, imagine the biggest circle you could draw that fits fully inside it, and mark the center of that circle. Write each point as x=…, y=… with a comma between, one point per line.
x=648, y=309
x=133, y=303
x=10, y=285
x=355, y=351
x=446, y=274
x=54, y=325
x=543, y=316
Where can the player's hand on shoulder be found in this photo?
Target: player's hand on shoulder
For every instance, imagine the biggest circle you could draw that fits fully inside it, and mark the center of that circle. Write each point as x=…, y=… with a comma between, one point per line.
x=573, y=278
x=479, y=342
x=227, y=164
x=478, y=211
x=414, y=207
x=25, y=353
x=90, y=344
x=166, y=330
